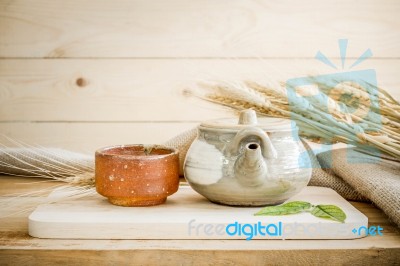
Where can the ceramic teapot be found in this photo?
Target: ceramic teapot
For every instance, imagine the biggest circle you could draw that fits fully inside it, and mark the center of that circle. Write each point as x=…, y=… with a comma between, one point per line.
x=250, y=162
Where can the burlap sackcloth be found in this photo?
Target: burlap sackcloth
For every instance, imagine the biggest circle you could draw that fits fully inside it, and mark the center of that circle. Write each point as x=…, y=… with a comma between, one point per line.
x=375, y=178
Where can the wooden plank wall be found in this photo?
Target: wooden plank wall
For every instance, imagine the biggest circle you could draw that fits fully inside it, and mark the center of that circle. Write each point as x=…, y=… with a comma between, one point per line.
x=81, y=74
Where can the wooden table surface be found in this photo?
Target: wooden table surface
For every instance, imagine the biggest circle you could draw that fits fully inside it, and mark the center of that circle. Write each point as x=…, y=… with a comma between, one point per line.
x=18, y=248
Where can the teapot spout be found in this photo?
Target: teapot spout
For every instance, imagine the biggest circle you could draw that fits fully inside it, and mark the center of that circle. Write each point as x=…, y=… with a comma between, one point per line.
x=250, y=167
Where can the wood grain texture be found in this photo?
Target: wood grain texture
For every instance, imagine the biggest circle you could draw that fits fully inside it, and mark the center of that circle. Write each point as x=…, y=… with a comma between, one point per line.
x=178, y=28
x=159, y=256
x=23, y=185
x=142, y=89
x=16, y=247
x=88, y=137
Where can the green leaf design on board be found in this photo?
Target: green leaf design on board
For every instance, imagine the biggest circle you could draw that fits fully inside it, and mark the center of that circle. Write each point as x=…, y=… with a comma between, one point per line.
x=284, y=209
x=331, y=212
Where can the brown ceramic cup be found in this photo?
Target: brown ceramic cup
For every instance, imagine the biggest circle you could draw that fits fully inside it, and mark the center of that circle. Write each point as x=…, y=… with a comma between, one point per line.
x=136, y=175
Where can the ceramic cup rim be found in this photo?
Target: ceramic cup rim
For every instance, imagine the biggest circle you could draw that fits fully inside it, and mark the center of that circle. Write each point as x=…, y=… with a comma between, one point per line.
x=103, y=151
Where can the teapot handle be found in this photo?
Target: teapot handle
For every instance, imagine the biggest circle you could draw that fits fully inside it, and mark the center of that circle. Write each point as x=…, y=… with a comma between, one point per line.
x=267, y=149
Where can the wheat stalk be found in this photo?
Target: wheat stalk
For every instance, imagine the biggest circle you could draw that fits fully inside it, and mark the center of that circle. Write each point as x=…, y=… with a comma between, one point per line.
x=313, y=116
x=388, y=106
x=73, y=176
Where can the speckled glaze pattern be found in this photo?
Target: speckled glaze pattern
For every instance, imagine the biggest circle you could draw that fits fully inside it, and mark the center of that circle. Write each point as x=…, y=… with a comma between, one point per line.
x=136, y=175
x=253, y=176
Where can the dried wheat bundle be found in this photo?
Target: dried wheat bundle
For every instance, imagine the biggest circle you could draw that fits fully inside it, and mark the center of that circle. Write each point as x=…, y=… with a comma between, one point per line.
x=324, y=116
x=75, y=170
x=357, y=98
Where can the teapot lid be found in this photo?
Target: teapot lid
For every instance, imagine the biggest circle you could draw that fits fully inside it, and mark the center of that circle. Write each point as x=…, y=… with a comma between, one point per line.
x=249, y=118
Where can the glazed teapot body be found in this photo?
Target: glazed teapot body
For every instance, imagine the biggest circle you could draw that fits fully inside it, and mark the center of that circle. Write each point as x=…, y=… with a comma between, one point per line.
x=247, y=164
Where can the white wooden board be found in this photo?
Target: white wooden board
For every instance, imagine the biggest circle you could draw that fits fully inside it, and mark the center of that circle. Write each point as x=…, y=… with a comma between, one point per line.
x=187, y=215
